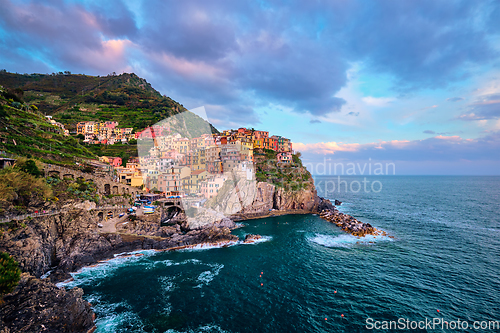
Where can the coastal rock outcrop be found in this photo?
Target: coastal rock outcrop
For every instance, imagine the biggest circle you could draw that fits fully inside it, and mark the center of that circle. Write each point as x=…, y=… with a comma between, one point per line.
x=251, y=238
x=39, y=306
x=349, y=224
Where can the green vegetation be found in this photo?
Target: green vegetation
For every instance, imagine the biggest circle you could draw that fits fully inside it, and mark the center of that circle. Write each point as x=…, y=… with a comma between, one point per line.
x=26, y=132
x=9, y=273
x=125, y=151
x=29, y=166
x=21, y=189
x=85, y=190
x=70, y=189
x=291, y=176
x=71, y=98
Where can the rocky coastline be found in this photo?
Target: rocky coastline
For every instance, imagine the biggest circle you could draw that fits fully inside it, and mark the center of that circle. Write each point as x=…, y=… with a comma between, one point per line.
x=70, y=241
x=39, y=306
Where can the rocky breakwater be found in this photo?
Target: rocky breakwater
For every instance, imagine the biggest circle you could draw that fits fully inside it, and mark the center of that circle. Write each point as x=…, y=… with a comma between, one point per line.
x=349, y=224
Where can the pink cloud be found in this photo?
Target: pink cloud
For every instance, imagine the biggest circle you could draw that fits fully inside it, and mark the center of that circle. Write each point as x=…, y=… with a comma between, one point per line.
x=334, y=147
x=326, y=147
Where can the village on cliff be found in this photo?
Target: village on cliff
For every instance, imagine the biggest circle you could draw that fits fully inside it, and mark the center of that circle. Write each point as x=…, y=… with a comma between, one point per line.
x=176, y=165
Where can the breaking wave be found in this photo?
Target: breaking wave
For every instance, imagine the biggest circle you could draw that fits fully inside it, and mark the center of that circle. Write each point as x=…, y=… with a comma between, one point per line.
x=346, y=240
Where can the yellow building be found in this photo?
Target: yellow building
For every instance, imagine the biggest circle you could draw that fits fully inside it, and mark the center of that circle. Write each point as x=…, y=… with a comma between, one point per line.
x=130, y=176
x=198, y=160
x=195, y=180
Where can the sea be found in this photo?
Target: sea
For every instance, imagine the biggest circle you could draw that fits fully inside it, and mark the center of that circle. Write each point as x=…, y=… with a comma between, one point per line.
x=441, y=266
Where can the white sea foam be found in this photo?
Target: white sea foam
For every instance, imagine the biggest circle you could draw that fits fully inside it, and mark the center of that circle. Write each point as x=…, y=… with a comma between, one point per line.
x=210, y=328
x=260, y=240
x=112, y=320
x=168, y=262
x=346, y=240
x=46, y=275
x=96, y=273
x=166, y=283
x=109, y=320
x=209, y=246
x=208, y=276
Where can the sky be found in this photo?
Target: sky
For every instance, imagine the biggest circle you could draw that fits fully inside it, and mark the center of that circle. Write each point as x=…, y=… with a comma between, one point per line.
x=412, y=83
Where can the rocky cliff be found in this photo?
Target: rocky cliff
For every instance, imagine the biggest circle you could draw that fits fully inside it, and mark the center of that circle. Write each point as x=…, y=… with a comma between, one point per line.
x=268, y=199
x=39, y=306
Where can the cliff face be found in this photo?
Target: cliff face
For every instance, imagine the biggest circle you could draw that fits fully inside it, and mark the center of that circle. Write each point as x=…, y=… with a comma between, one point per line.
x=270, y=199
x=39, y=306
x=45, y=242
x=304, y=199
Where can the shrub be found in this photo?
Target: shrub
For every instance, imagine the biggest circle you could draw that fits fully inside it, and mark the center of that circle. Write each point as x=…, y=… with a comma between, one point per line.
x=16, y=105
x=29, y=166
x=9, y=273
x=3, y=113
x=18, y=187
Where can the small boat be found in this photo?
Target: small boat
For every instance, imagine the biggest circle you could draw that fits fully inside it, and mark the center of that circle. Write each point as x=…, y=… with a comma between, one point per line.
x=148, y=210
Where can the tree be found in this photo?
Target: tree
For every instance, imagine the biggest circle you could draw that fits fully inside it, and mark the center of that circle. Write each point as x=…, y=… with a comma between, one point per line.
x=9, y=273
x=29, y=166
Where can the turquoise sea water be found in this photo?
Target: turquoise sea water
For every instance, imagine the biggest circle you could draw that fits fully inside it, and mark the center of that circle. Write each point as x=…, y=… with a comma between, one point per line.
x=445, y=256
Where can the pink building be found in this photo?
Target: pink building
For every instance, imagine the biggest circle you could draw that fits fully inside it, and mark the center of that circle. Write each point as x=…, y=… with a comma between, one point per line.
x=111, y=124
x=284, y=157
x=211, y=186
x=115, y=161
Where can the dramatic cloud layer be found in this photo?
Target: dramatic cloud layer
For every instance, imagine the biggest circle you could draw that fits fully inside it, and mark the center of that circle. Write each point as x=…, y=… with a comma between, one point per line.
x=237, y=55
x=342, y=68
